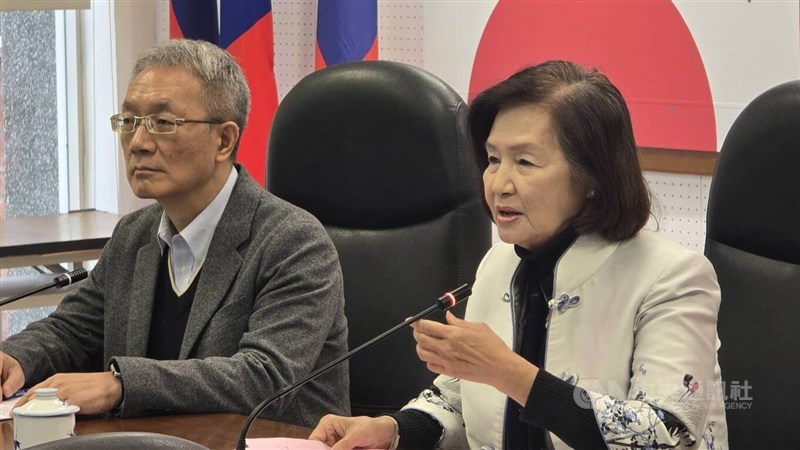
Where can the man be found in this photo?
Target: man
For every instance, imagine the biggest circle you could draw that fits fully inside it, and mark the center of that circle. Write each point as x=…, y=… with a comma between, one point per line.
x=214, y=298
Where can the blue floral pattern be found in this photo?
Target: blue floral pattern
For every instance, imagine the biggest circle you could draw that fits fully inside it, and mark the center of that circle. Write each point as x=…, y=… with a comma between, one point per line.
x=708, y=437
x=443, y=402
x=633, y=424
x=640, y=423
x=435, y=397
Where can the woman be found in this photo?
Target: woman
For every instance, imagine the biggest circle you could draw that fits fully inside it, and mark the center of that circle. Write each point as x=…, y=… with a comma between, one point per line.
x=583, y=330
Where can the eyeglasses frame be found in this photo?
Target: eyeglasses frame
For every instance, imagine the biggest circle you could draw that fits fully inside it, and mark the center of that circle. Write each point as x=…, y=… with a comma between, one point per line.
x=148, y=124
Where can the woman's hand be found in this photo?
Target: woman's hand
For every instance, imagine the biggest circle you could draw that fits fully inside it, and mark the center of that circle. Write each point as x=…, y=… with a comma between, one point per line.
x=346, y=433
x=473, y=352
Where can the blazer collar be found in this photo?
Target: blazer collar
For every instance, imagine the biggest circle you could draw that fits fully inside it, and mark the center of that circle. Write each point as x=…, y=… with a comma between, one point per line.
x=219, y=270
x=145, y=276
x=223, y=260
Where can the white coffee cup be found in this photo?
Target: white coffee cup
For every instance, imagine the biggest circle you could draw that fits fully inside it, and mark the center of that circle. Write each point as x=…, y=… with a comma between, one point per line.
x=43, y=419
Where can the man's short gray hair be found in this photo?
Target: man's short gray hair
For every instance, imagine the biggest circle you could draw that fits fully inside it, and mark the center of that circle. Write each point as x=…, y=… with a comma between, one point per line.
x=225, y=93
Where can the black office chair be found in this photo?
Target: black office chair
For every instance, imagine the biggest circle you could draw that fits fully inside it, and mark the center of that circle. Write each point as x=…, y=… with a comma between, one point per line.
x=379, y=152
x=753, y=241
x=129, y=440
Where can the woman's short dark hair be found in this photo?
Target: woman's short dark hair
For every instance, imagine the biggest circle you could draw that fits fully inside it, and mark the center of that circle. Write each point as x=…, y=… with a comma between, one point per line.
x=593, y=128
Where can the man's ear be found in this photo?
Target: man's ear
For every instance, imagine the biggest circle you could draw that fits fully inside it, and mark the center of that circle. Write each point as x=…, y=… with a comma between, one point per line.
x=228, y=138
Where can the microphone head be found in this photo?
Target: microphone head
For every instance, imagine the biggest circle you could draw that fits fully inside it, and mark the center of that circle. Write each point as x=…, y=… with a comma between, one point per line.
x=66, y=279
x=454, y=297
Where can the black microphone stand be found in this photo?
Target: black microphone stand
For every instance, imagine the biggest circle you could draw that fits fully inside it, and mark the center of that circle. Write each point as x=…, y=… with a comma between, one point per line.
x=60, y=281
x=444, y=302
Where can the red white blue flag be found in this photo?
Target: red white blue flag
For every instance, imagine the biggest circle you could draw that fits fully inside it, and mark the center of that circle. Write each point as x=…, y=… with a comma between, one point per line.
x=245, y=30
x=346, y=31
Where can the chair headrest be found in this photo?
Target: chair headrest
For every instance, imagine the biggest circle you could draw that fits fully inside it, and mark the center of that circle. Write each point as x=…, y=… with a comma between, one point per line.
x=396, y=131
x=754, y=202
x=124, y=440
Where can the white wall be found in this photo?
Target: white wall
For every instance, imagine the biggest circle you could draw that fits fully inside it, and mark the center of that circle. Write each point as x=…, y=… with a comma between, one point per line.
x=419, y=33
x=408, y=34
x=119, y=31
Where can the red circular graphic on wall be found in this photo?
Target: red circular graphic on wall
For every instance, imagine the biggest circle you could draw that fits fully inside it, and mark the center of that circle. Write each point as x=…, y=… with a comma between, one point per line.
x=644, y=47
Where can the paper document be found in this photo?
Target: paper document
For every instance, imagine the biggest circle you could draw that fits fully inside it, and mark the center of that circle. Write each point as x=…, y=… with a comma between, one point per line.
x=285, y=444
x=7, y=406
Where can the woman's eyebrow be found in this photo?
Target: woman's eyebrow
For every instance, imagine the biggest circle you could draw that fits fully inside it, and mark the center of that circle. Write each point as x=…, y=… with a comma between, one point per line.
x=524, y=146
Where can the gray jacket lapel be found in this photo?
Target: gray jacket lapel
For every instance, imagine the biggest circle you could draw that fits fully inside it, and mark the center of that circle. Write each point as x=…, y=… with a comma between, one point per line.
x=145, y=275
x=223, y=259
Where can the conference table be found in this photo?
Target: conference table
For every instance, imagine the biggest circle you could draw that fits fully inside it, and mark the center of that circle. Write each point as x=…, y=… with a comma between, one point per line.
x=52, y=240
x=215, y=431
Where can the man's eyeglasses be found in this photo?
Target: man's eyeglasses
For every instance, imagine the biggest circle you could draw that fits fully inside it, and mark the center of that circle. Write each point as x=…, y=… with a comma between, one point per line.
x=162, y=123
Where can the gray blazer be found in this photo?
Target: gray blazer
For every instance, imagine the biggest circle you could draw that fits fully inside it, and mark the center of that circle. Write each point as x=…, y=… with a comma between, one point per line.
x=269, y=309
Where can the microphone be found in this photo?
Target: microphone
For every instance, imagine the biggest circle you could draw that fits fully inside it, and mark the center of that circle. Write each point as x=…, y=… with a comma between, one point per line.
x=65, y=279
x=443, y=303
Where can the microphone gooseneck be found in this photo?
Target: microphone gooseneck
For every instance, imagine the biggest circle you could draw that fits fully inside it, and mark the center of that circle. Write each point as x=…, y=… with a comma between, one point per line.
x=445, y=302
x=60, y=281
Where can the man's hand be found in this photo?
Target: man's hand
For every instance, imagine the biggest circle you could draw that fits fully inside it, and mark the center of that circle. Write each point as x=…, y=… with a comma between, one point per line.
x=11, y=376
x=95, y=393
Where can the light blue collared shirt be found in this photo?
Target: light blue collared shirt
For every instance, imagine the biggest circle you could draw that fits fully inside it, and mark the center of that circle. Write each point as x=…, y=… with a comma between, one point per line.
x=188, y=249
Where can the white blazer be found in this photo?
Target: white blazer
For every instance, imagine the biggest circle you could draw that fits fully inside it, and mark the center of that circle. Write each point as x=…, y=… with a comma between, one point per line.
x=634, y=323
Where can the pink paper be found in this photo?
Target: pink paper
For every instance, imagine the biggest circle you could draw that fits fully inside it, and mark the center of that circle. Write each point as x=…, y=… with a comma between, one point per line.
x=285, y=444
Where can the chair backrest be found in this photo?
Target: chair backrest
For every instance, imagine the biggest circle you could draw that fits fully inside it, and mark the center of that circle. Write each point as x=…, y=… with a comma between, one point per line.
x=125, y=440
x=378, y=151
x=753, y=241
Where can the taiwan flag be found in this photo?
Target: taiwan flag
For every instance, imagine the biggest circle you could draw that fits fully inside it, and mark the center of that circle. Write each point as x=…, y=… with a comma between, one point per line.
x=244, y=29
x=346, y=31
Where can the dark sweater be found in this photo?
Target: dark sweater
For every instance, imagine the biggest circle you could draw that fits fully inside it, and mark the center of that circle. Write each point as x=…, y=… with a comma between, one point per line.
x=170, y=315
